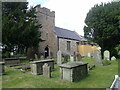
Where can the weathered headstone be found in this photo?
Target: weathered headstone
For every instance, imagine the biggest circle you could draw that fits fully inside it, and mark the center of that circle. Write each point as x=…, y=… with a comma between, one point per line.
x=71, y=58
x=59, y=57
x=97, y=57
x=2, y=70
x=89, y=55
x=41, y=57
x=36, y=57
x=75, y=56
x=79, y=57
x=46, y=70
x=106, y=55
x=113, y=58
x=66, y=57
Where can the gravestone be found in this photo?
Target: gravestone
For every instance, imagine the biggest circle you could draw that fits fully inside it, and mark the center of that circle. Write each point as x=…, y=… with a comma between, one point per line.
x=89, y=55
x=75, y=57
x=97, y=57
x=113, y=58
x=2, y=70
x=59, y=57
x=36, y=57
x=71, y=58
x=46, y=70
x=106, y=55
x=79, y=57
x=66, y=57
x=41, y=57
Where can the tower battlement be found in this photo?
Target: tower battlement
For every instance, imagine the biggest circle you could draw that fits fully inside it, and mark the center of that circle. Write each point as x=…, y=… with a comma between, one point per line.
x=45, y=11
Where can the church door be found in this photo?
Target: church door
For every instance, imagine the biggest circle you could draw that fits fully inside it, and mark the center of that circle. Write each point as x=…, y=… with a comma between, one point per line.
x=46, y=52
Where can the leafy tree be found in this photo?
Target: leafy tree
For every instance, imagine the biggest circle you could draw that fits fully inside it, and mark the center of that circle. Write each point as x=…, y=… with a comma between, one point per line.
x=19, y=27
x=102, y=25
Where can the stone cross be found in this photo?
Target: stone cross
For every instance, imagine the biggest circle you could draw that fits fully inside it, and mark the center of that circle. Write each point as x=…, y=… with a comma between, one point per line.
x=106, y=55
x=97, y=57
x=71, y=58
x=46, y=70
x=113, y=58
x=36, y=57
x=59, y=57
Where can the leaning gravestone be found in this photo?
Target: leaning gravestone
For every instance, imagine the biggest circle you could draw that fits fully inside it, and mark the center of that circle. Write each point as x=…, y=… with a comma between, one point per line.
x=59, y=57
x=97, y=57
x=46, y=70
x=79, y=57
x=36, y=57
x=113, y=58
x=106, y=55
x=71, y=58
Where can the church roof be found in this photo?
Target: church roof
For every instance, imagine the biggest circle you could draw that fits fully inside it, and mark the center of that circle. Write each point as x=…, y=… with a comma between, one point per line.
x=67, y=34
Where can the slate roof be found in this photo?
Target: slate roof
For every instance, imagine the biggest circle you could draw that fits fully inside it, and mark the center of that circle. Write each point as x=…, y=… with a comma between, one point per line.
x=67, y=34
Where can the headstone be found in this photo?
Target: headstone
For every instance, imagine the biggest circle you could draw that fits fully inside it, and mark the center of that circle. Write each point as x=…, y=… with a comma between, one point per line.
x=66, y=57
x=59, y=57
x=97, y=57
x=89, y=55
x=113, y=58
x=71, y=58
x=36, y=57
x=75, y=57
x=79, y=57
x=41, y=57
x=2, y=70
x=46, y=70
x=106, y=55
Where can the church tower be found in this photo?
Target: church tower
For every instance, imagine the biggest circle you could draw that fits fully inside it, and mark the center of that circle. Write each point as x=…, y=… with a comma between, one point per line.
x=47, y=48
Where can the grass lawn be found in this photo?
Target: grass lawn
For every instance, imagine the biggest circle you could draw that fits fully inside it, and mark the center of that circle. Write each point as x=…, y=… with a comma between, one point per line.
x=99, y=77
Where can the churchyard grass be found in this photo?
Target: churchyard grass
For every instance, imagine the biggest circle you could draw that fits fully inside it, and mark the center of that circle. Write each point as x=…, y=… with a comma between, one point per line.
x=98, y=77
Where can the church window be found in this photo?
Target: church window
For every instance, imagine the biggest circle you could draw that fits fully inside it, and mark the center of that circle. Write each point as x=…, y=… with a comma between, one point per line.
x=68, y=45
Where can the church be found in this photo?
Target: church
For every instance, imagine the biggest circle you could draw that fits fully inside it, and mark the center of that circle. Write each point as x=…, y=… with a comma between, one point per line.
x=55, y=38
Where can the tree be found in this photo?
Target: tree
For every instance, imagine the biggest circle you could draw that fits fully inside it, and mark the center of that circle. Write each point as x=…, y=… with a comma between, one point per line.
x=102, y=25
x=19, y=27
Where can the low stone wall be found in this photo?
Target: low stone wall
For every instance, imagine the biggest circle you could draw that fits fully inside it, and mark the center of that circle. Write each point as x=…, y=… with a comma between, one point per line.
x=37, y=66
x=73, y=71
x=11, y=61
x=2, y=70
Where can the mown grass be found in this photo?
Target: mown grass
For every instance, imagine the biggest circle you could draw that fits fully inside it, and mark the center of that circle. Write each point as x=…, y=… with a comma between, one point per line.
x=99, y=77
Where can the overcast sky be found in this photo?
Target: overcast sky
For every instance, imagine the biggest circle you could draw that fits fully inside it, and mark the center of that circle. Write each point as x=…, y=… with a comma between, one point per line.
x=69, y=14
